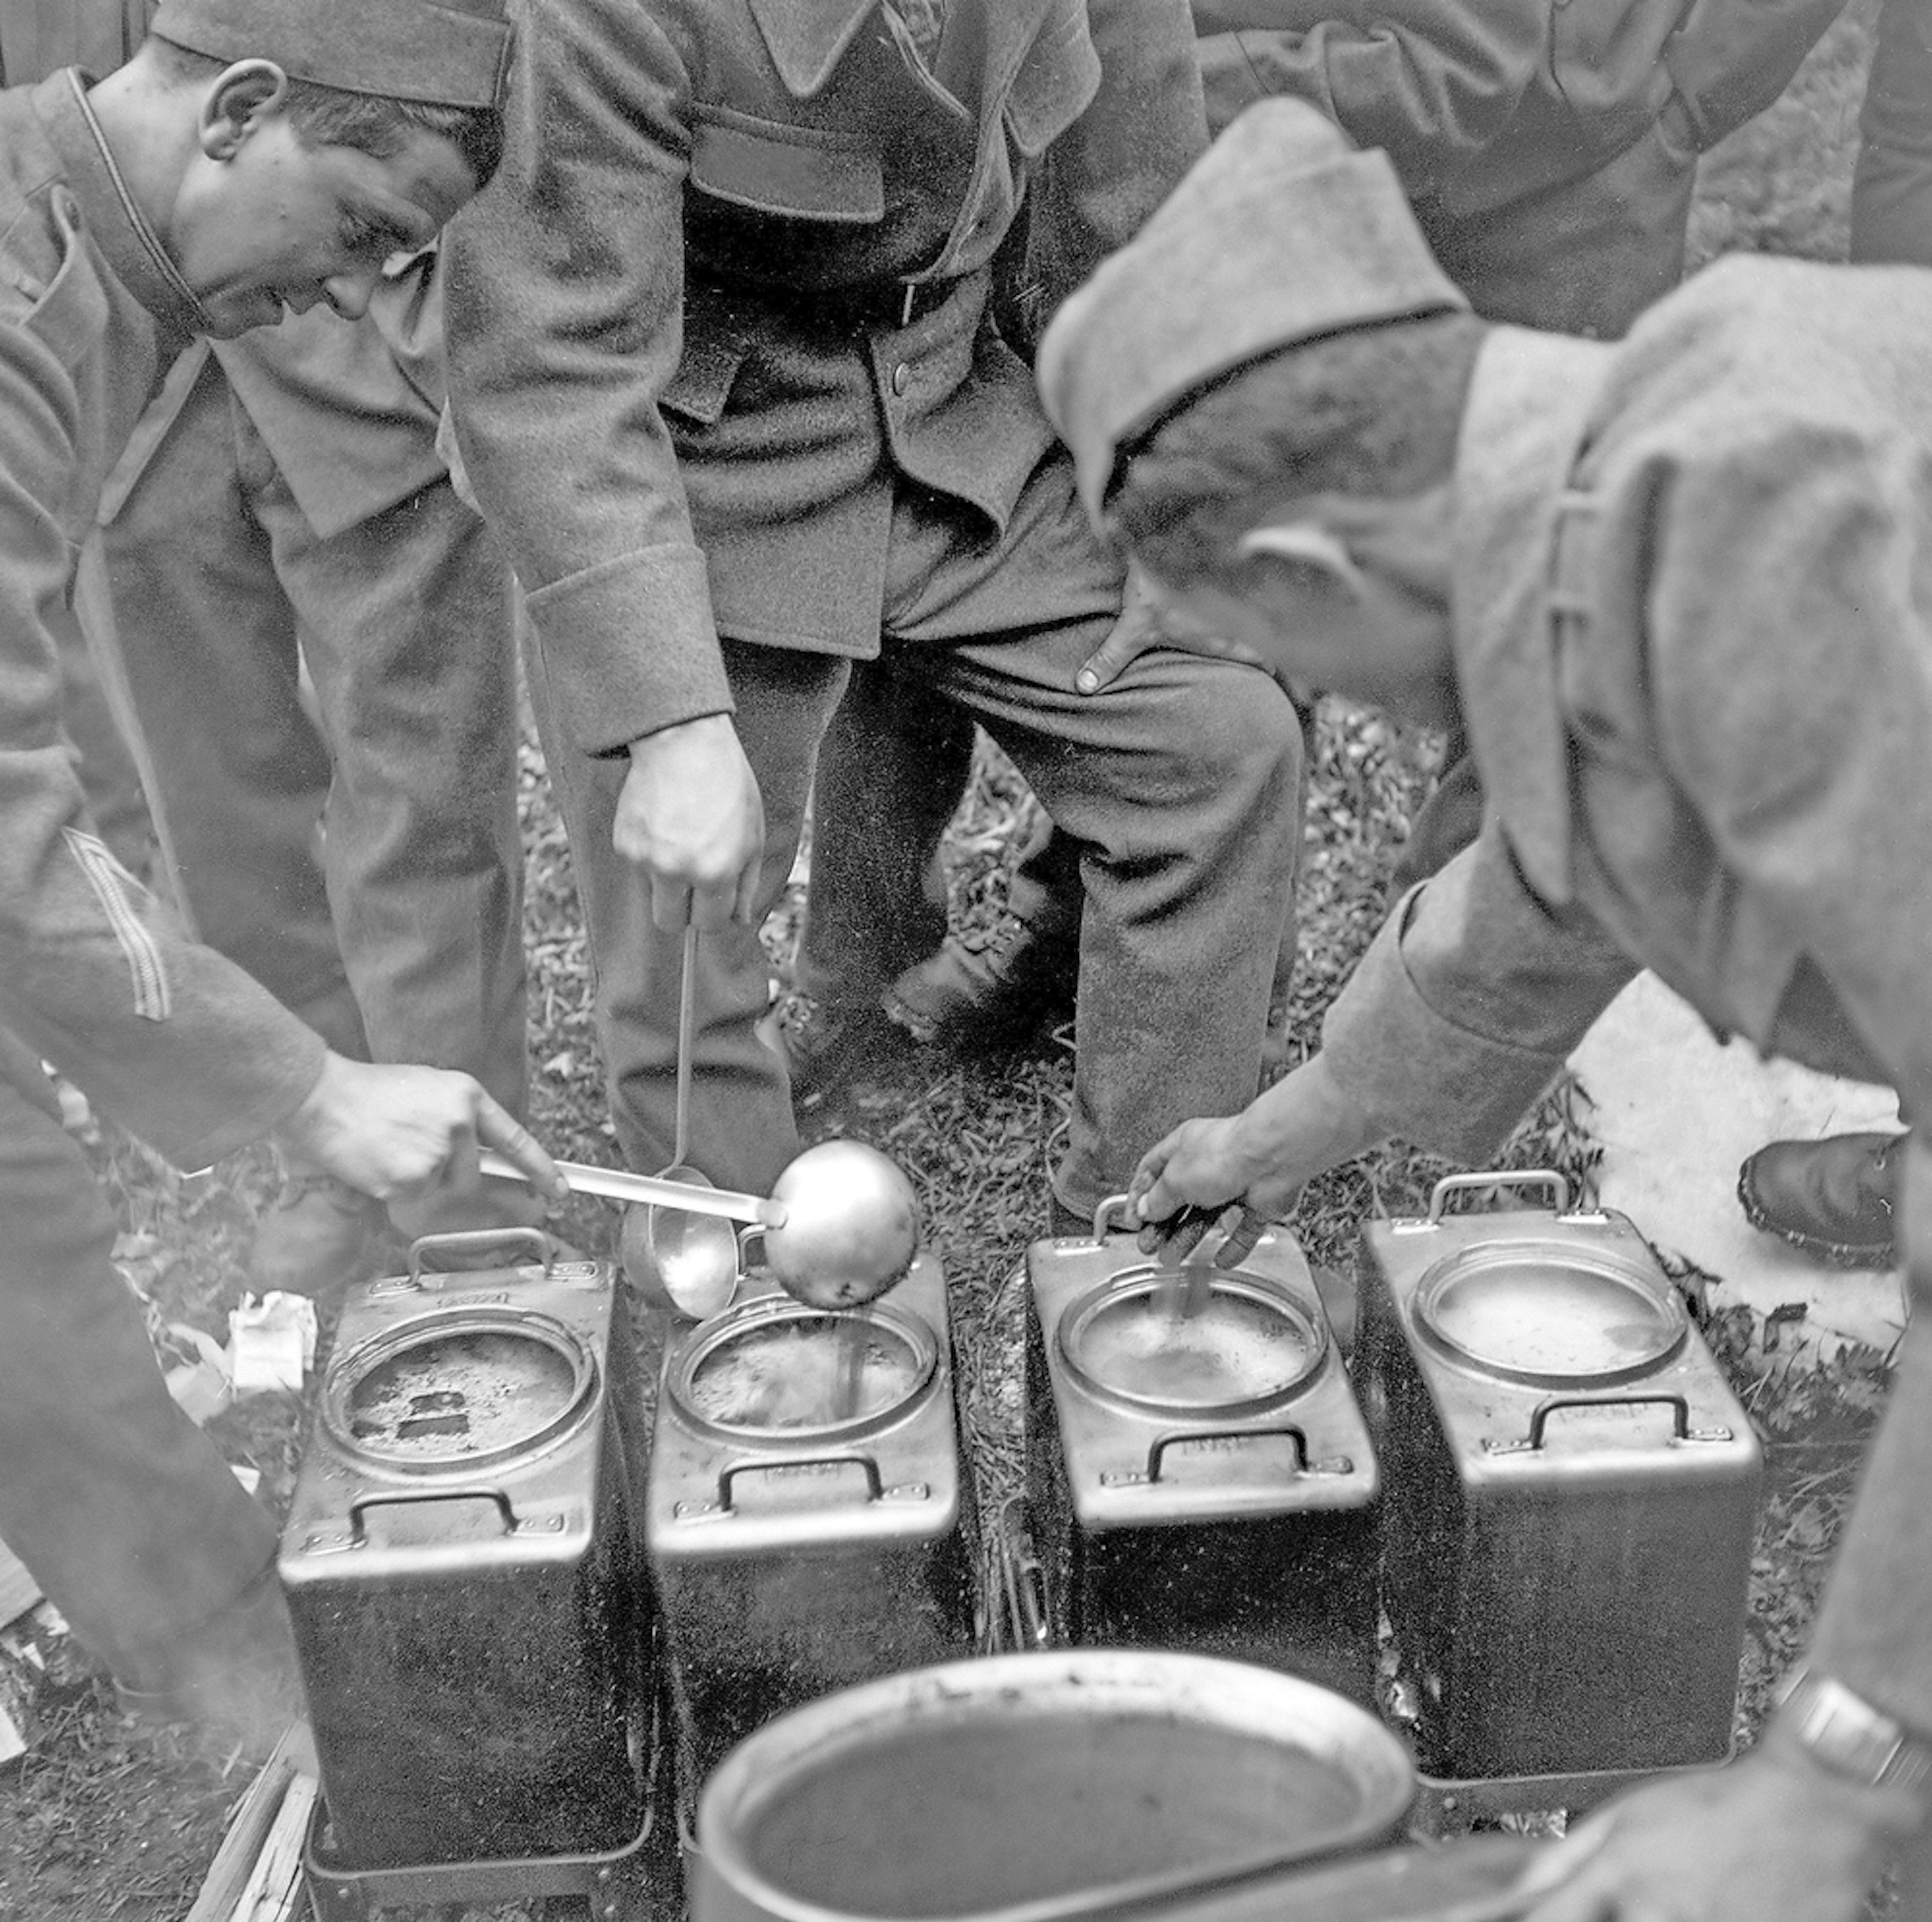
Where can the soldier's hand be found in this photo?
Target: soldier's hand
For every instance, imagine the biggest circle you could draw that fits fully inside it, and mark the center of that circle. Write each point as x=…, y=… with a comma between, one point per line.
x=691, y=818
x=399, y=1132
x=1261, y=1158
x=1188, y=1181
x=1137, y=629
x=1774, y=1835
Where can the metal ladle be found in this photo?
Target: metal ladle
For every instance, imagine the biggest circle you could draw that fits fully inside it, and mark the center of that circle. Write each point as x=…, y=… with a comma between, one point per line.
x=679, y=1258
x=841, y=1228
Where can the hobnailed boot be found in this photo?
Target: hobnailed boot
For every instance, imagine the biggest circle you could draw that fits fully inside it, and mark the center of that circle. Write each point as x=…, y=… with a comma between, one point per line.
x=1834, y=1197
x=997, y=985
x=826, y=1042
x=319, y=1237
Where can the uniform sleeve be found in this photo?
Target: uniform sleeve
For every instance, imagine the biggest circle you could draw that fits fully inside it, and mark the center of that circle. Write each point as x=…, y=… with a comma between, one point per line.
x=1432, y=82
x=1144, y=127
x=1467, y=1003
x=1802, y=725
x=1891, y=195
x=174, y=1041
x=1789, y=618
x=1873, y=1632
x=564, y=310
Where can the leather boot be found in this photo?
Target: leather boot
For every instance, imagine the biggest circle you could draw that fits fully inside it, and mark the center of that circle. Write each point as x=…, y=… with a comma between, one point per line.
x=985, y=988
x=1832, y=1197
x=318, y=1237
x=826, y=1042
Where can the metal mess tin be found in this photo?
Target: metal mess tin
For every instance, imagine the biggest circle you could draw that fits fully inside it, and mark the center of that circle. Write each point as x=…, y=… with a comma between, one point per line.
x=807, y=1518
x=1572, y=1491
x=460, y=1567
x=1203, y=1480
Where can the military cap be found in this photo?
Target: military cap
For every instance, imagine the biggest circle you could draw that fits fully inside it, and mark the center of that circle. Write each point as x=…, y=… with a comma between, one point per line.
x=1280, y=232
x=447, y=52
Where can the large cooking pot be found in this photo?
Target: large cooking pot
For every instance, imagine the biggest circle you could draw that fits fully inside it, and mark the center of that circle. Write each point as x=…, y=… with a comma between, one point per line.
x=1039, y=1787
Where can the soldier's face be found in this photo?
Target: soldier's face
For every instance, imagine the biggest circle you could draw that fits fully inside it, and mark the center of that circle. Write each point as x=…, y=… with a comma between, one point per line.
x=267, y=224
x=1348, y=596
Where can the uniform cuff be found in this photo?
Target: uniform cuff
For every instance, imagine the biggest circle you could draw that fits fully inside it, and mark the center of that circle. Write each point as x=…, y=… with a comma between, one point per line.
x=1417, y=1074
x=630, y=647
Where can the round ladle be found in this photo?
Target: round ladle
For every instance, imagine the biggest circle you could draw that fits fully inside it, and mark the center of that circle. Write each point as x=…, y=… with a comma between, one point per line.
x=841, y=1227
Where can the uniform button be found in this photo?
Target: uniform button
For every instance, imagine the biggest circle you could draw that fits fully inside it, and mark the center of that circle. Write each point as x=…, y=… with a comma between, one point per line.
x=902, y=378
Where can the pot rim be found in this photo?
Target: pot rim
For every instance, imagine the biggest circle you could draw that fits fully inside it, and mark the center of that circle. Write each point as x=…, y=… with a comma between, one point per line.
x=775, y=1310
x=1081, y=1312
x=1248, y=1699
x=347, y=1371
x=1473, y=1261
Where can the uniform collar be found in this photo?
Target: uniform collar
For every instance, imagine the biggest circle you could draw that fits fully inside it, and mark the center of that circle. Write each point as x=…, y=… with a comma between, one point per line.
x=1530, y=406
x=113, y=221
x=808, y=38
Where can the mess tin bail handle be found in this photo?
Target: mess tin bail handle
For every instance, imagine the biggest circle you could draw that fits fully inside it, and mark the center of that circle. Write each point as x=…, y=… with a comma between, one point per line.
x=1559, y=1186
x=511, y=1240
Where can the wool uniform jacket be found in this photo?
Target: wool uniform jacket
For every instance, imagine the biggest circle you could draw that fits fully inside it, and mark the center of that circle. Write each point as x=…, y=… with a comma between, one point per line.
x=1479, y=105
x=349, y=409
x=683, y=378
x=1550, y=151
x=174, y=1041
x=1692, y=632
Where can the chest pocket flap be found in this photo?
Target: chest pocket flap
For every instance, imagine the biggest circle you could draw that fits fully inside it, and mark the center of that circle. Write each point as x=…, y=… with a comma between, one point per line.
x=795, y=171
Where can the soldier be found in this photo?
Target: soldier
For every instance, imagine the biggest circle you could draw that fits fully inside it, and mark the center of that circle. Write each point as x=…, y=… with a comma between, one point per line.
x=283, y=504
x=730, y=382
x=1621, y=566
x=254, y=157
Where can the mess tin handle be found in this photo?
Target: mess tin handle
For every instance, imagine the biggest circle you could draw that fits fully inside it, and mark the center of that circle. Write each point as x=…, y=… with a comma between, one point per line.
x=400, y=1498
x=875, y=1487
x=476, y=1240
x=1558, y=1185
x=1162, y=1443
x=1540, y=1416
x=750, y=1232
x=1106, y=1211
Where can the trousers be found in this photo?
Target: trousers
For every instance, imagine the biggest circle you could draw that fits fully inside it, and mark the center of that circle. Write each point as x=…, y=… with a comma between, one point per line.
x=1180, y=788
x=365, y=865
x=125, y=1511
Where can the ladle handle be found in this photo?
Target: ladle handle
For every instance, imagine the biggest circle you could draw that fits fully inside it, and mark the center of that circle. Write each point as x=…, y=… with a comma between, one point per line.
x=687, y=1008
x=618, y=1184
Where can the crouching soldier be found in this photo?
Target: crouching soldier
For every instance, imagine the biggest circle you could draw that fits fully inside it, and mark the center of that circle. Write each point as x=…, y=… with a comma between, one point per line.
x=1679, y=590
x=187, y=192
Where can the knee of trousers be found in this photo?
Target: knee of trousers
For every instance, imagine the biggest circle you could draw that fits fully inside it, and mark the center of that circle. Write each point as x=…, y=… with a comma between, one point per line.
x=1231, y=762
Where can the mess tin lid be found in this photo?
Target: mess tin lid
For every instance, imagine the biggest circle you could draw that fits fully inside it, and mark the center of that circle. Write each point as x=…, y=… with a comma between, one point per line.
x=458, y=1389
x=774, y=1369
x=1550, y=1311
x=1249, y=1346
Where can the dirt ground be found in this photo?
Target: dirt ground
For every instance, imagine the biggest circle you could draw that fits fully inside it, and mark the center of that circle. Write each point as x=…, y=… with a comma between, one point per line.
x=105, y=1821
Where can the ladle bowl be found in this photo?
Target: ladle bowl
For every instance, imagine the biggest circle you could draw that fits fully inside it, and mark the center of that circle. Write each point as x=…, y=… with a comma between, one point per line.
x=851, y=1227
x=678, y=1259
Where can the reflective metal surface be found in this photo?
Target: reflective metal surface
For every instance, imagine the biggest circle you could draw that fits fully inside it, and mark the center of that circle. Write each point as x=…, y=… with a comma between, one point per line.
x=1551, y=1311
x=1247, y=1346
x=773, y=1370
x=461, y=1388
x=1032, y=1788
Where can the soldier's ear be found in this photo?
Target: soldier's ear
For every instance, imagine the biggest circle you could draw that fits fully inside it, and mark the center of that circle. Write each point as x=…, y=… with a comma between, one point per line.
x=1308, y=548
x=236, y=101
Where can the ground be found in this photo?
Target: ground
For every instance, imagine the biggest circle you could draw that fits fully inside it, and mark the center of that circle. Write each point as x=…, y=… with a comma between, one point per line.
x=104, y=1821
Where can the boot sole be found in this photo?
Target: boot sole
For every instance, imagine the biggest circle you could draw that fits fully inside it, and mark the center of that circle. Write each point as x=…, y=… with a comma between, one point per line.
x=1840, y=1254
